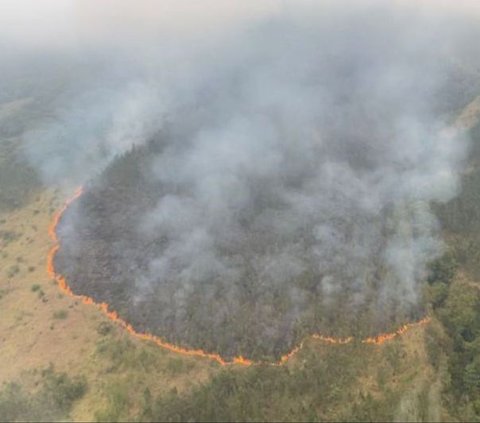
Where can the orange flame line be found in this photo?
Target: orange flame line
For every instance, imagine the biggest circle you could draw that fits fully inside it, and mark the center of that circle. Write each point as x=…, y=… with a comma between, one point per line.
x=384, y=337
x=112, y=315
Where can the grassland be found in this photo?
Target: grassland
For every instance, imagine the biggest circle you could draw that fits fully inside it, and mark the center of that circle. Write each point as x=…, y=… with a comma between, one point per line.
x=40, y=325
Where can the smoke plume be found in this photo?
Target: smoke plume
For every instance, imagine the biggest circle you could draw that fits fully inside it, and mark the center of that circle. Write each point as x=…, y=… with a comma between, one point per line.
x=297, y=139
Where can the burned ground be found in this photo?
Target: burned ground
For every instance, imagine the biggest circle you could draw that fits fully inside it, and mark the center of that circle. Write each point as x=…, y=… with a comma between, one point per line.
x=103, y=255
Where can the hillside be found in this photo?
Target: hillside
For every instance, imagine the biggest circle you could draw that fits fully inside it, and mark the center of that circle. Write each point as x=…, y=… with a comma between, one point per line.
x=253, y=211
x=406, y=378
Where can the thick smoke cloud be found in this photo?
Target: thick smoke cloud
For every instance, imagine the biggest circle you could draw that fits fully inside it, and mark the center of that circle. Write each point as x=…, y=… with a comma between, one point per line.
x=125, y=68
x=320, y=141
x=299, y=138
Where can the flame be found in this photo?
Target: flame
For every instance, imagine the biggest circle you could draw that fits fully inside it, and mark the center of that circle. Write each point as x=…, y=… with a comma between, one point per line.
x=384, y=337
x=113, y=316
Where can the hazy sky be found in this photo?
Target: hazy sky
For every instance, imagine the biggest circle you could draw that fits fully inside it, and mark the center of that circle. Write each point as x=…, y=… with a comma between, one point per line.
x=57, y=23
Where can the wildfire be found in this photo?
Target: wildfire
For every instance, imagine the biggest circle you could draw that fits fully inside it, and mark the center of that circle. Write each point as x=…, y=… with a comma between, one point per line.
x=112, y=315
x=384, y=337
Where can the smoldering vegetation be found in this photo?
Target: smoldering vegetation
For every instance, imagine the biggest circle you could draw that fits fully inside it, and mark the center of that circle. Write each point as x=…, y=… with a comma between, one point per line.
x=284, y=187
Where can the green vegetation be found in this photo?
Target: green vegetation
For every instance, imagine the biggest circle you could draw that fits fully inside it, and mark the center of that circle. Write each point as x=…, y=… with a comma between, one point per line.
x=104, y=328
x=123, y=354
x=38, y=289
x=60, y=314
x=461, y=216
x=455, y=296
x=51, y=397
x=35, y=287
x=317, y=388
x=19, y=179
x=3, y=292
x=12, y=271
x=118, y=404
x=323, y=382
x=457, y=305
x=8, y=236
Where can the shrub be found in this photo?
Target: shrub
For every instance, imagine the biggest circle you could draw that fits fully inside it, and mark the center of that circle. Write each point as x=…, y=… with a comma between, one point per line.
x=35, y=287
x=12, y=271
x=60, y=314
x=104, y=328
x=443, y=269
x=62, y=389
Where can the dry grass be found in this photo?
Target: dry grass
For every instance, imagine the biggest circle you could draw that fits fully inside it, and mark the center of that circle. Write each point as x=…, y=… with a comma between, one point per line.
x=31, y=338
